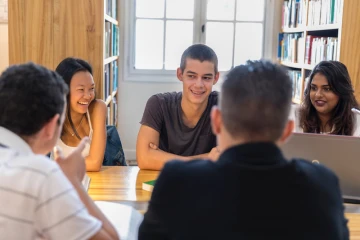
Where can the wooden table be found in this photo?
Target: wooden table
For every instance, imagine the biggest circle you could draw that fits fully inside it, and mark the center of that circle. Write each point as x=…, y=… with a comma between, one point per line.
x=124, y=185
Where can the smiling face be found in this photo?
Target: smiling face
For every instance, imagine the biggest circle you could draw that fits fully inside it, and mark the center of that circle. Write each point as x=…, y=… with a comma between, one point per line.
x=198, y=79
x=82, y=91
x=322, y=96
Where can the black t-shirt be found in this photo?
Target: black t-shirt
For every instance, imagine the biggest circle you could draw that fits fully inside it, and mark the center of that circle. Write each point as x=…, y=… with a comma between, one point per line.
x=163, y=113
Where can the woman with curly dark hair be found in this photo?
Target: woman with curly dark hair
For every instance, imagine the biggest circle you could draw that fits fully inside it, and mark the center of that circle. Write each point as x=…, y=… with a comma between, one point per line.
x=328, y=100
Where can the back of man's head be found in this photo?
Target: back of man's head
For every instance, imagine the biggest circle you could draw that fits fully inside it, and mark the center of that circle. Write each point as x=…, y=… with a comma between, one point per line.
x=255, y=101
x=30, y=95
x=199, y=52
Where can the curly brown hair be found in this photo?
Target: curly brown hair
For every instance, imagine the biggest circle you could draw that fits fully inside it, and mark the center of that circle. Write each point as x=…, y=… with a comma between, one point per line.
x=342, y=119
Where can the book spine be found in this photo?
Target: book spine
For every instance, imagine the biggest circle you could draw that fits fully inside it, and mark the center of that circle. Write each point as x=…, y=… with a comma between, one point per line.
x=301, y=50
x=308, y=42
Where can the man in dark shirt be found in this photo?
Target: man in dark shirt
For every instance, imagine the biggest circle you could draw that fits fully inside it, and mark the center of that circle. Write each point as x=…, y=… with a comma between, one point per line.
x=177, y=124
x=251, y=191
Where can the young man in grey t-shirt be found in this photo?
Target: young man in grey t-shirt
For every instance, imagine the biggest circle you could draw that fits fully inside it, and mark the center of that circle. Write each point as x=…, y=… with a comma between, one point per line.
x=177, y=125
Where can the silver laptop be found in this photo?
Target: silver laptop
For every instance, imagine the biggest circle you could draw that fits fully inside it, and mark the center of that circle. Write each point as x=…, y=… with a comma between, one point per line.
x=339, y=153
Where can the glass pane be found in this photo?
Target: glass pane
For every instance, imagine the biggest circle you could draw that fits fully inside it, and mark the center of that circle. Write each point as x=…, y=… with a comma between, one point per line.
x=220, y=9
x=248, y=42
x=175, y=43
x=149, y=44
x=150, y=9
x=183, y=9
x=219, y=36
x=250, y=10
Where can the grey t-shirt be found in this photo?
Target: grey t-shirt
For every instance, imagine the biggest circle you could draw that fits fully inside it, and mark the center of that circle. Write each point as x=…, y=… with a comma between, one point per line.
x=163, y=113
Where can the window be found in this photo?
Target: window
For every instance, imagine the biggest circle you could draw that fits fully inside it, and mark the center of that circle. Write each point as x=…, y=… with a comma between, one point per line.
x=160, y=30
x=163, y=29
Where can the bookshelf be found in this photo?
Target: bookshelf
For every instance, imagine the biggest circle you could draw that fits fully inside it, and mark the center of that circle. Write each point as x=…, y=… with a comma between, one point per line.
x=316, y=30
x=111, y=58
x=47, y=31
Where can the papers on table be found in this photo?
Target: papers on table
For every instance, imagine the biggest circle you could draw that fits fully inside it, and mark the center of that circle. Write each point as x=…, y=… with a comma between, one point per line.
x=125, y=219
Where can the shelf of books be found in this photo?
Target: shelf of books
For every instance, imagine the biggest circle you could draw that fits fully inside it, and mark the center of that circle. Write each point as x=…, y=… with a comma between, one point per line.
x=111, y=59
x=110, y=88
x=310, y=31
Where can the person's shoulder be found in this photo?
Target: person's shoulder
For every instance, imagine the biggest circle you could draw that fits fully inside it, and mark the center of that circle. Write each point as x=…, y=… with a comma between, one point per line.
x=314, y=171
x=213, y=97
x=35, y=163
x=157, y=107
x=357, y=117
x=310, y=166
x=357, y=125
x=96, y=104
x=166, y=99
x=214, y=94
x=44, y=163
x=97, y=110
x=167, y=96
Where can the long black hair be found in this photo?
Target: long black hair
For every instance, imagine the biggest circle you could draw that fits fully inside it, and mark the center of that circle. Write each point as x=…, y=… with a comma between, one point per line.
x=67, y=68
x=339, y=81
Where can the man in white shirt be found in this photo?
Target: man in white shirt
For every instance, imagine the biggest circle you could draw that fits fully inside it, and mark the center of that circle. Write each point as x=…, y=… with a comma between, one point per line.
x=40, y=198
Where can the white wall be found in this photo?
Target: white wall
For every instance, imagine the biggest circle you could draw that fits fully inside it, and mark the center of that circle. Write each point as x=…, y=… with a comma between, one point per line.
x=4, y=47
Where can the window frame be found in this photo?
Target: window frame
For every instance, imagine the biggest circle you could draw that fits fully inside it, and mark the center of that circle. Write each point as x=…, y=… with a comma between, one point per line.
x=128, y=21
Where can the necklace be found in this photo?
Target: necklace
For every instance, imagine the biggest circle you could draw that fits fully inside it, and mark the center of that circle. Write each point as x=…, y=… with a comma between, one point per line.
x=73, y=134
x=332, y=130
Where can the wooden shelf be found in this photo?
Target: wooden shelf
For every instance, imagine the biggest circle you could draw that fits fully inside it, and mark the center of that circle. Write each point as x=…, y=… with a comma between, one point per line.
x=298, y=65
x=309, y=67
x=311, y=28
x=111, y=19
x=110, y=97
x=110, y=59
x=323, y=27
x=293, y=65
x=293, y=30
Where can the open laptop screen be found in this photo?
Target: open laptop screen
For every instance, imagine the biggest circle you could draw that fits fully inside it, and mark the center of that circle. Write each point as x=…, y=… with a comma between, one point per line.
x=339, y=153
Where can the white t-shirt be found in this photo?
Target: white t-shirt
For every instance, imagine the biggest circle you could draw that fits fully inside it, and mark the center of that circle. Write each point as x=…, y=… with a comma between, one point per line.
x=295, y=116
x=36, y=199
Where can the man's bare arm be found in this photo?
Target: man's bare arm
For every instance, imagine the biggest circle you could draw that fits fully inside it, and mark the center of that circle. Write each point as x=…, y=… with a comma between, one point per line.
x=150, y=157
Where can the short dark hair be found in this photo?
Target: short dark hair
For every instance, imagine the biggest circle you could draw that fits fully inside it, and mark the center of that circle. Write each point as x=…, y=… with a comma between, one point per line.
x=30, y=95
x=339, y=81
x=255, y=101
x=67, y=68
x=199, y=52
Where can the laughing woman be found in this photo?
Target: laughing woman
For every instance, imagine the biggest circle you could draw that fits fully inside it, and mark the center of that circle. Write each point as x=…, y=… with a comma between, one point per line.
x=85, y=115
x=328, y=100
